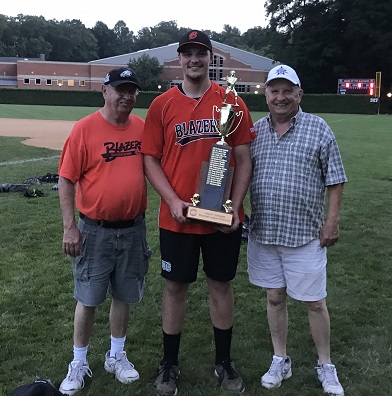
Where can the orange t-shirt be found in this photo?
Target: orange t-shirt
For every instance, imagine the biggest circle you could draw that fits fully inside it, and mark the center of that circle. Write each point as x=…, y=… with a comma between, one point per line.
x=105, y=162
x=180, y=131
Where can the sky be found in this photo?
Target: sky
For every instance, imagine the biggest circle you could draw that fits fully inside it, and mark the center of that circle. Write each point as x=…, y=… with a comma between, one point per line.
x=200, y=14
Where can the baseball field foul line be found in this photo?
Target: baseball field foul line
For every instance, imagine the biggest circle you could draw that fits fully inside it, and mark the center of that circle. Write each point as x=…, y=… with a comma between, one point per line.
x=29, y=160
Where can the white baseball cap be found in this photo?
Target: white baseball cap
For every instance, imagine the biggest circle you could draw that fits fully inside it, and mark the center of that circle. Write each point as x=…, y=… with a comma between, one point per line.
x=285, y=72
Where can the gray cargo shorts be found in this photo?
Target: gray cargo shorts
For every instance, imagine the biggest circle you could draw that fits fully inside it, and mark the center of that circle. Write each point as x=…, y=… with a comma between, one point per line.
x=114, y=261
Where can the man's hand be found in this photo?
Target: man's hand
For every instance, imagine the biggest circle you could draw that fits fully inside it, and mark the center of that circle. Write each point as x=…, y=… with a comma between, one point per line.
x=72, y=241
x=178, y=209
x=329, y=234
x=235, y=224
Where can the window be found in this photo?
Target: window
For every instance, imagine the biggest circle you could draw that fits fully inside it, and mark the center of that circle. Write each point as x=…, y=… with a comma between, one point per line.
x=37, y=81
x=26, y=81
x=82, y=83
x=59, y=83
x=48, y=81
x=242, y=88
x=216, y=72
x=71, y=83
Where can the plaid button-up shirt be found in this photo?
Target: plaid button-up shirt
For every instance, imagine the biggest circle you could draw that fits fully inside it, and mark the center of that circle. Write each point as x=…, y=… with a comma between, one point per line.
x=290, y=174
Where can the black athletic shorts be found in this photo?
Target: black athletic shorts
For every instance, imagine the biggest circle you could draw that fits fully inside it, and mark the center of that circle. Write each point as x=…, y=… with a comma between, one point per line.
x=180, y=254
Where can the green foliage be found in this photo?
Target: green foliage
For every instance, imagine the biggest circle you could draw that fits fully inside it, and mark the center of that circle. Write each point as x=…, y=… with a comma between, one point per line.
x=157, y=36
x=326, y=40
x=71, y=42
x=150, y=69
x=106, y=40
x=124, y=38
x=36, y=303
x=323, y=40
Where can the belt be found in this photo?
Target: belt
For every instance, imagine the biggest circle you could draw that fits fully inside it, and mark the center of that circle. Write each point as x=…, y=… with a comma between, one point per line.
x=112, y=224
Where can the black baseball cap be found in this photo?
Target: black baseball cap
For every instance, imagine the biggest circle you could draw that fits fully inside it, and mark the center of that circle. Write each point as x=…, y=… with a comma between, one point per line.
x=120, y=76
x=194, y=37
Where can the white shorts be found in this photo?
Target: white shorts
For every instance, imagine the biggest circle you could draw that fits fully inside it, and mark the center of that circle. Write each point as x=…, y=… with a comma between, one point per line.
x=301, y=270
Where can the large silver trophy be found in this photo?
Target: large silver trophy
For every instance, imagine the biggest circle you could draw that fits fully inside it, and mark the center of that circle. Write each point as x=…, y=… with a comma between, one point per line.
x=211, y=202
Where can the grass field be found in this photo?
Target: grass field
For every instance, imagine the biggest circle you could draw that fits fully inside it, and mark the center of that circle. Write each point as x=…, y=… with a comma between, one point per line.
x=36, y=302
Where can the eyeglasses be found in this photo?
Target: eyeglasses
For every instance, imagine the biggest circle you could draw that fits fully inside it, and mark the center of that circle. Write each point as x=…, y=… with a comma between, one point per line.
x=124, y=89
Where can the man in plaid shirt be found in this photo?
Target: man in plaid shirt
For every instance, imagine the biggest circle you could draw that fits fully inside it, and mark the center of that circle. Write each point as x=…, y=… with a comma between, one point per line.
x=295, y=159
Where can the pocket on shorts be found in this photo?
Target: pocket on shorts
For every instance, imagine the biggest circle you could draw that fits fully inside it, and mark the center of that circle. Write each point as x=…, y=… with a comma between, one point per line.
x=139, y=257
x=147, y=253
x=81, y=264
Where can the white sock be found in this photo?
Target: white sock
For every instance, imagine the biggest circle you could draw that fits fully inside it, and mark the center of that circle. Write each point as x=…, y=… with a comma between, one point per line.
x=116, y=345
x=80, y=353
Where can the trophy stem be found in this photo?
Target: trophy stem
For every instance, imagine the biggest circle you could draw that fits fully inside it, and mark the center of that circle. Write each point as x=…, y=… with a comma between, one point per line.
x=222, y=142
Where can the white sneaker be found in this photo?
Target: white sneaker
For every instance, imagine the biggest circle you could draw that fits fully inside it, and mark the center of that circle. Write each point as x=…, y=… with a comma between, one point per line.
x=121, y=367
x=74, y=381
x=328, y=377
x=279, y=370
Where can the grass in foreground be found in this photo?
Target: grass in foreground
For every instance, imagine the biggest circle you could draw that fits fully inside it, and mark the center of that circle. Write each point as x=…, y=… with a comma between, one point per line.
x=36, y=303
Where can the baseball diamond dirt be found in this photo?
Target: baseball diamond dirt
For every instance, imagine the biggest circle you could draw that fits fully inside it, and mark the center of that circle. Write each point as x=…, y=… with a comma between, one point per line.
x=40, y=133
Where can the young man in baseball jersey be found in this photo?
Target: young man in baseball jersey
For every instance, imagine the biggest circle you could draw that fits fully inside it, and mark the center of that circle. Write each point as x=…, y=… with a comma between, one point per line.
x=108, y=244
x=178, y=135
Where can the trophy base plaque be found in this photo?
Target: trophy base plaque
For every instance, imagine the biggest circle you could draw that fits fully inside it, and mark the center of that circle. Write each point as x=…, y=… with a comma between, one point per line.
x=211, y=203
x=211, y=216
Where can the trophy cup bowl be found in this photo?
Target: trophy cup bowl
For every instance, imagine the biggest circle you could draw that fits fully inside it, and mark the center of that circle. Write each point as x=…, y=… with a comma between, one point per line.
x=226, y=120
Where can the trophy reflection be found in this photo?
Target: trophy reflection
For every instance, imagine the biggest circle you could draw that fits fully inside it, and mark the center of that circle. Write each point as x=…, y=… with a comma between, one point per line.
x=211, y=203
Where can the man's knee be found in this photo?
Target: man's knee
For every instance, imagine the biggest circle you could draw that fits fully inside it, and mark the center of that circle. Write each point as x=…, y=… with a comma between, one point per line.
x=316, y=306
x=175, y=289
x=276, y=297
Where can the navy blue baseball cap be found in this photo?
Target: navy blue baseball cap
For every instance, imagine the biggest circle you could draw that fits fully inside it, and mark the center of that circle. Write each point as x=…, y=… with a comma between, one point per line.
x=120, y=76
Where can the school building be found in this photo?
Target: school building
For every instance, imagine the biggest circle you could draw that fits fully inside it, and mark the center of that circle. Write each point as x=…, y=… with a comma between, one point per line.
x=37, y=73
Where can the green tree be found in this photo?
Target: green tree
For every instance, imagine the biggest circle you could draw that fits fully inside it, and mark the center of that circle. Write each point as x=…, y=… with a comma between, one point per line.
x=71, y=41
x=259, y=40
x=330, y=39
x=3, y=28
x=10, y=37
x=157, y=36
x=367, y=39
x=106, y=40
x=148, y=70
x=229, y=35
x=124, y=38
x=31, y=42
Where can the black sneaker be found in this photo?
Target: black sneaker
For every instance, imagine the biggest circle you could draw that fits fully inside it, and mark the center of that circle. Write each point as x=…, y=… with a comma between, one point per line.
x=228, y=378
x=165, y=383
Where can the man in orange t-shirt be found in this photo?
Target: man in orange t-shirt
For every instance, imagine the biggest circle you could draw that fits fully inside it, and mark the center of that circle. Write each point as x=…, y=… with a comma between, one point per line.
x=108, y=244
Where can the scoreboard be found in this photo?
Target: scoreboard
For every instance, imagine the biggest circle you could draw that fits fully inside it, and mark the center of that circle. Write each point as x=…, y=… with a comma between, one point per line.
x=357, y=86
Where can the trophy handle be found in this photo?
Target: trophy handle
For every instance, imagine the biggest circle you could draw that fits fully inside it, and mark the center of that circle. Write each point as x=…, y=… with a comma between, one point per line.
x=238, y=114
x=230, y=120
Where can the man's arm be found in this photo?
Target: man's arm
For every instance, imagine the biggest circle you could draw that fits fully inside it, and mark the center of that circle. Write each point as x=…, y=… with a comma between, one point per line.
x=158, y=179
x=329, y=234
x=72, y=240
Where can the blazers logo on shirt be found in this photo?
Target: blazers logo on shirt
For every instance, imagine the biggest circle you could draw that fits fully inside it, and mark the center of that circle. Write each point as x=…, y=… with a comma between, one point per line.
x=116, y=149
x=196, y=130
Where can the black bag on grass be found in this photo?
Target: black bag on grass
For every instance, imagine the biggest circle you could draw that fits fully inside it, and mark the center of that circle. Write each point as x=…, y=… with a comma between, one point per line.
x=40, y=387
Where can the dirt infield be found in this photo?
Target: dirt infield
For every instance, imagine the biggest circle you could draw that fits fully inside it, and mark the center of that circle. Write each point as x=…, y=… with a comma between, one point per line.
x=40, y=133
